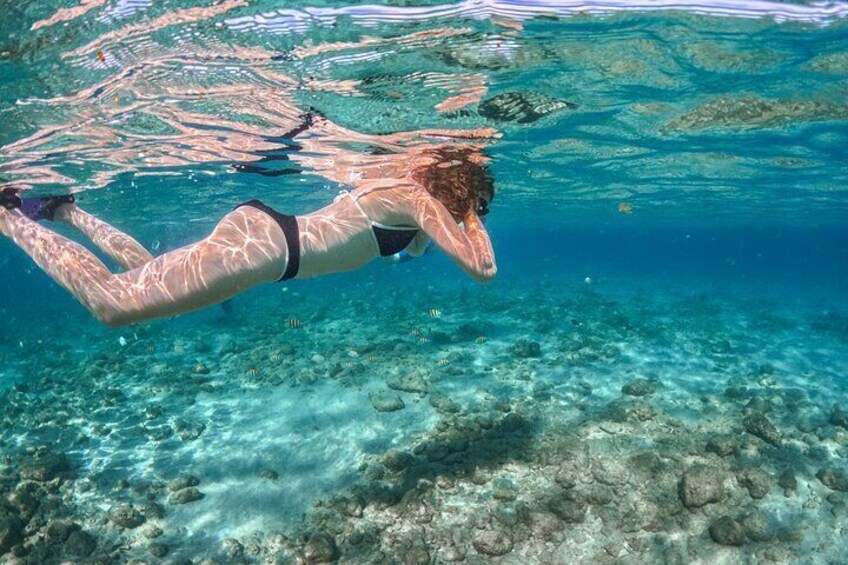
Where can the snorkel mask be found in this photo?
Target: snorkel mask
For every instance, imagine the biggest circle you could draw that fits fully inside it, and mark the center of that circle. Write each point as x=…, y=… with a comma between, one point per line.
x=483, y=207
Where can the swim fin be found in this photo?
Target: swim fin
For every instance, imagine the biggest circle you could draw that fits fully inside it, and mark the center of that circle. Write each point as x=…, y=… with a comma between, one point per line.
x=44, y=207
x=10, y=198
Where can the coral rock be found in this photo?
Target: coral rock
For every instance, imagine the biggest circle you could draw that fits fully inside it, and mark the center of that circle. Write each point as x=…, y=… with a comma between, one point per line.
x=700, y=485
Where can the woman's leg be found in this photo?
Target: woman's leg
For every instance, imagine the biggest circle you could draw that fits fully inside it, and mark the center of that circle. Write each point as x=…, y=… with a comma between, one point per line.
x=122, y=248
x=246, y=248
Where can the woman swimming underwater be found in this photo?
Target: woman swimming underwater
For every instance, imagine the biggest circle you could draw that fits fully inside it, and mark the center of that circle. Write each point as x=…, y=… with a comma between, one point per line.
x=406, y=190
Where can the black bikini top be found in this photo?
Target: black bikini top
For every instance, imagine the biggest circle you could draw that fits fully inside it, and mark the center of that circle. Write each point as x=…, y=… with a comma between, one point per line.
x=389, y=239
x=393, y=239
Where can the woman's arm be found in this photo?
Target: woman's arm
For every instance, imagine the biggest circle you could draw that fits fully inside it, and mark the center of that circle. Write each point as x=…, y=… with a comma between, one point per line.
x=470, y=249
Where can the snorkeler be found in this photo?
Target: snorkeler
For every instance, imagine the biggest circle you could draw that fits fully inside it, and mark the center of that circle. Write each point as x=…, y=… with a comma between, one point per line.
x=406, y=191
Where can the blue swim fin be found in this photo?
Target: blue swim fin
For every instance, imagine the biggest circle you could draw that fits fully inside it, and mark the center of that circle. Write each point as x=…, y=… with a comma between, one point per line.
x=44, y=207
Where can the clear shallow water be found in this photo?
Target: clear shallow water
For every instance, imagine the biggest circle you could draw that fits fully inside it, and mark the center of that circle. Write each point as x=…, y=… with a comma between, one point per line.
x=722, y=126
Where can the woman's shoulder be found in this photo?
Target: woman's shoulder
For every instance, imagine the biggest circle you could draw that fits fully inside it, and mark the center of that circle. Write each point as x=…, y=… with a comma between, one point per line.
x=396, y=189
x=390, y=201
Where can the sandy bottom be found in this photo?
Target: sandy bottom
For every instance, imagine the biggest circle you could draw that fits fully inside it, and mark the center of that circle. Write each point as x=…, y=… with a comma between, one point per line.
x=629, y=423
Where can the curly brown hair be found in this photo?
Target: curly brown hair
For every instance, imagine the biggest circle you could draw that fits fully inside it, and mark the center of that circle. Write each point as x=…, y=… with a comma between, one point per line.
x=457, y=180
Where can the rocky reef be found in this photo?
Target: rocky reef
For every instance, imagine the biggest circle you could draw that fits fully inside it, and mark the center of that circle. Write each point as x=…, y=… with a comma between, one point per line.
x=541, y=427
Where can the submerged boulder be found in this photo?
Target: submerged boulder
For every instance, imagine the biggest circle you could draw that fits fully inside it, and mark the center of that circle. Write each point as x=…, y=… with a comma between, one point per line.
x=385, y=401
x=834, y=479
x=493, y=542
x=80, y=544
x=125, y=516
x=183, y=481
x=639, y=387
x=397, y=461
x=46, y=467
x=321, y=548
x=11, y=533
x=188, y=430
x=839, y=417
x=158, y=549
x=760, y=426
x=568, y=509
x=721, y=446
x=727, y=531
x=787, y=481
x=757, y=481
x=700, y=485
x=186, y=495
x=443, y=403
x=526, y=349
x=410, y=382
x=757, y=526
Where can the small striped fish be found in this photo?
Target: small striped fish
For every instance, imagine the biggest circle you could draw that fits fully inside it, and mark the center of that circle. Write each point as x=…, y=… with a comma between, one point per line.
x=435, y=313
x=294, y=323
x=252, y=372
x=423, y=340
x=275, y=356
x=481, y=339
x=442, y=362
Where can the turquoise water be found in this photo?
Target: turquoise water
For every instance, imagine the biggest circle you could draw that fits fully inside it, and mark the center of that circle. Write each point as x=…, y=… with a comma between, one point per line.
x=656, y=375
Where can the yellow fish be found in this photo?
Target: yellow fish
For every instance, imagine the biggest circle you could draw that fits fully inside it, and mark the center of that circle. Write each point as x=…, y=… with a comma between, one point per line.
x=625, y=208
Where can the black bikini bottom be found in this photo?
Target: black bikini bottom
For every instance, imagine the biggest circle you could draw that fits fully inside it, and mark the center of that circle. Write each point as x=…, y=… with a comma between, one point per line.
x=290, y=230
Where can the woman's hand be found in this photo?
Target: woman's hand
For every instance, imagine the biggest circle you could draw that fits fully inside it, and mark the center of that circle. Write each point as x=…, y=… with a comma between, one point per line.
x=469, y=247
x=482, y=245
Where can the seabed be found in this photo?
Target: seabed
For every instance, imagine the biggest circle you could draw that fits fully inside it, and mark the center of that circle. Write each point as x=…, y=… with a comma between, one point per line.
x=590, y=423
